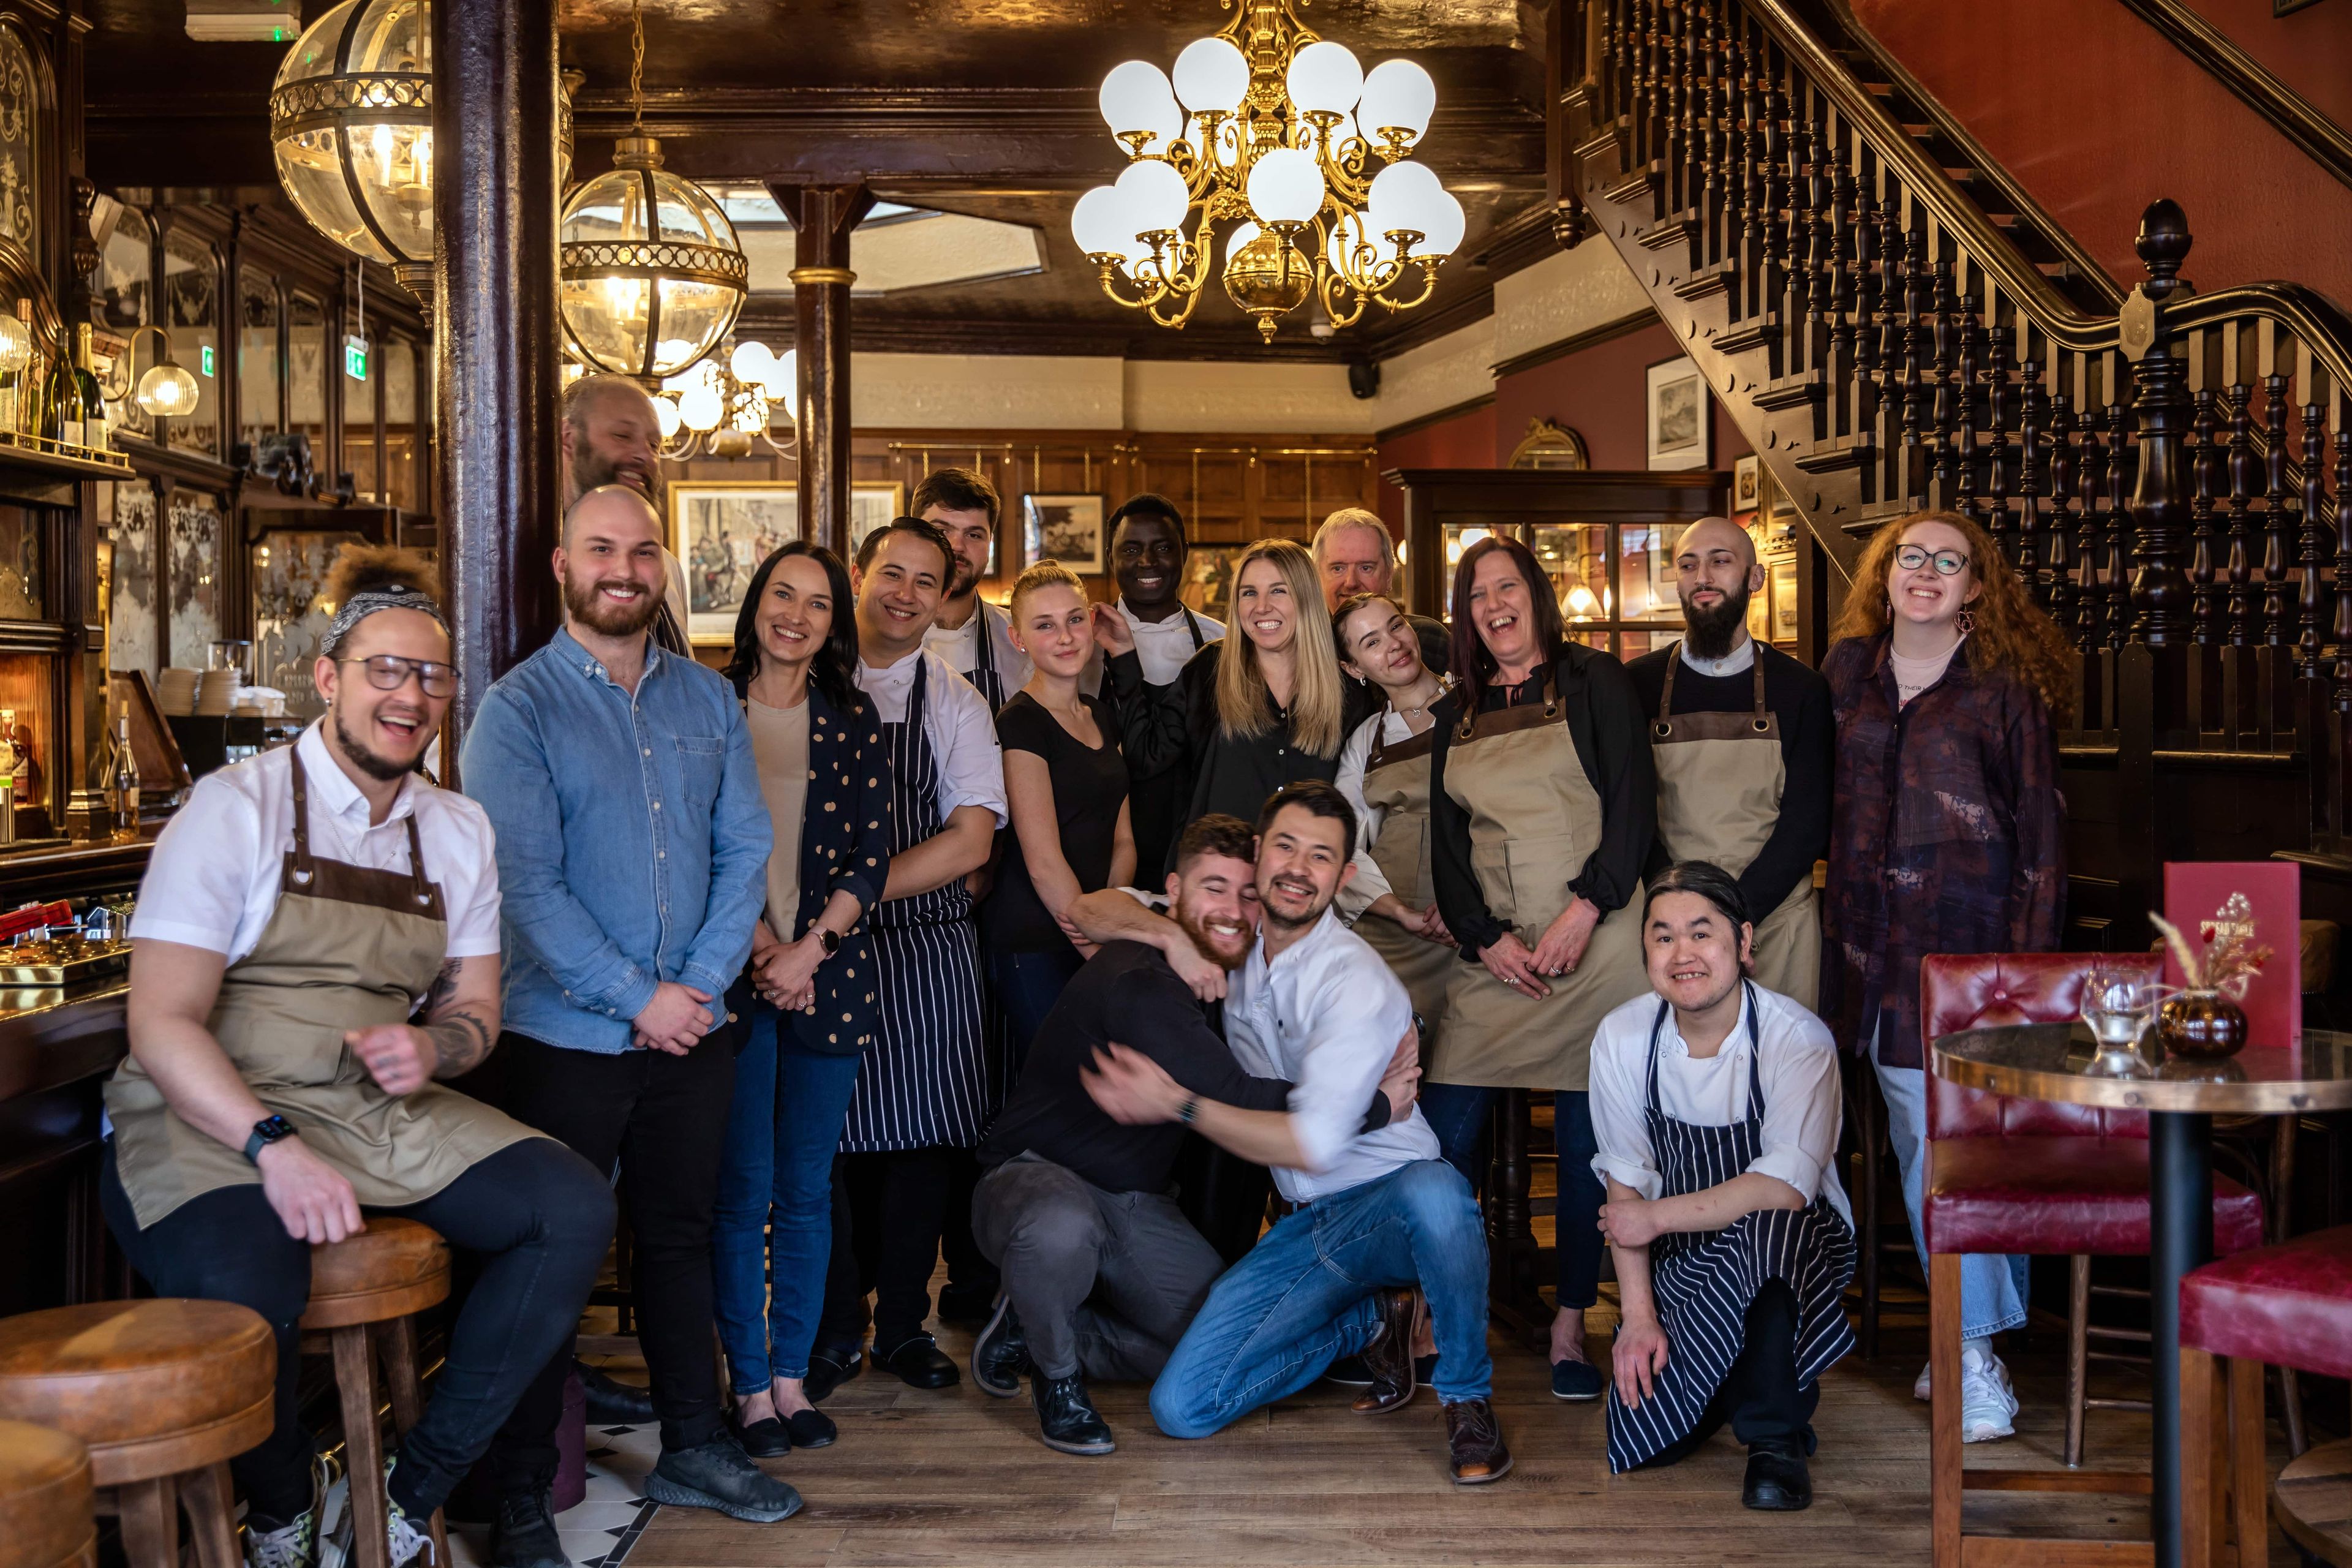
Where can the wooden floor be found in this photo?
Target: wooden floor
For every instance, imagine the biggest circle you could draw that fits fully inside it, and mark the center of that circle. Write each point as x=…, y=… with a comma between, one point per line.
x=957, y=1478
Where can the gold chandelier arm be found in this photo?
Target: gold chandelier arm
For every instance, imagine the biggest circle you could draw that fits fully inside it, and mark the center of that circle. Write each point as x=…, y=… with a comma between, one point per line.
x=1177, y=317
x=1335, y=290
x=1146, y=293
x=1428, y=285
x=126, y=365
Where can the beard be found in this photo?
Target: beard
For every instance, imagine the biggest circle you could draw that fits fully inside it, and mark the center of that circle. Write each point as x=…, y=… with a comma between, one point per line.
x=962, y=580
x=580, y=598
x=1209, y=945
x=376, y=765
x=1269, y=914
x=1712, y=632
x=591, y=469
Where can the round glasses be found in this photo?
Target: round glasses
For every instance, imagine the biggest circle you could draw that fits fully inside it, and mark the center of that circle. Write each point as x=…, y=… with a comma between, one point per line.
x=1947, y=562
x=390, y=672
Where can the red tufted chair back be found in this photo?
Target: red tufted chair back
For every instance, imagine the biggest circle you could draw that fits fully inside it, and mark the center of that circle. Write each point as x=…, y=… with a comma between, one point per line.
x=1969, y=991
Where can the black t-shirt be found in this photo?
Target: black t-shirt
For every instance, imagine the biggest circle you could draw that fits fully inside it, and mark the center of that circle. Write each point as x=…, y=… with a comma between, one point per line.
x=1089, y=786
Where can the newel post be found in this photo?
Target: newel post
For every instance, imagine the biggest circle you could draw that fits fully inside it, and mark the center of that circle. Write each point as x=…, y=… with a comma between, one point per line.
x=2162, y=409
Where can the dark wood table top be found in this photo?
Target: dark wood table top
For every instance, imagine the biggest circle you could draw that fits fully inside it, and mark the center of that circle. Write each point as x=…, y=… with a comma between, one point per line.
x=2062, y=1062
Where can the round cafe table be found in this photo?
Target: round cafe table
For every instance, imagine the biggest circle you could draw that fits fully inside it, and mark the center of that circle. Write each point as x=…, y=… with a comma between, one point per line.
x=2060, y=1062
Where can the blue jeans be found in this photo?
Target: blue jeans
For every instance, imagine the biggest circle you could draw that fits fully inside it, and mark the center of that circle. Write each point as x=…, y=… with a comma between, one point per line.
x=1461, y=1113
x=771, y=1231
x=1026, y=987
x=1993, y=1287
x=1305, y=1297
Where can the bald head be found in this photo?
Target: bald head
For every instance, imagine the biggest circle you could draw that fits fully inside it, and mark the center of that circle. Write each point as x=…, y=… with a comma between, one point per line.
x=608, y=508
x=1714, y=574
x=1709, y=534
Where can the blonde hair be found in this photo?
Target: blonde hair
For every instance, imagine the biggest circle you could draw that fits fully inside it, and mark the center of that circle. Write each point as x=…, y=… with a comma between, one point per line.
x=1355, y=517
x=1244, y=709
x=2011, y=635
x=1045, y=574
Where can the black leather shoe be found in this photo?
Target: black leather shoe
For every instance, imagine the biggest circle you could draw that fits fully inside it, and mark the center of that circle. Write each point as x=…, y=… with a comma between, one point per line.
x=1777, y=1481
x=920, y=1363
x=968, y=1304
x=765, y=1439
x=829, y=1369
x=718, y=1476
x=523, y=1534
x=811, y=1428
x=1000, y=1355
x=612, y=1402
x=1067, y=1417
x=1389, y=1358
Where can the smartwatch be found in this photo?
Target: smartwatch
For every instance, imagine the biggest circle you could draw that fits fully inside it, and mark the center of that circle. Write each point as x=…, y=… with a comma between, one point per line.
x=829, y=940
x=266, y=1131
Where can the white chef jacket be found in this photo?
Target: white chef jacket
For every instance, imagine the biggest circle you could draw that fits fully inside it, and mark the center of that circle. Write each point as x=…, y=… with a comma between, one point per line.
x=957, y=723
x=959, y=647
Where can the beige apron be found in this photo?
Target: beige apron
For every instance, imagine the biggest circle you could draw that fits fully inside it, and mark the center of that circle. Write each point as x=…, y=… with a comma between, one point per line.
x=347, y=947
x=1535, y=819
x=1719, y=780
x=1396, y=782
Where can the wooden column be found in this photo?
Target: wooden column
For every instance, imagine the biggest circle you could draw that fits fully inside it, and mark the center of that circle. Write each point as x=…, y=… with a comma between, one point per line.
x=494, y=366
x=823, y=215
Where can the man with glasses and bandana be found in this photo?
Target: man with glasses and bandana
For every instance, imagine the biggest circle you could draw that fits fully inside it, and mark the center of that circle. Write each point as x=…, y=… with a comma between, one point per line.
x=295, y=915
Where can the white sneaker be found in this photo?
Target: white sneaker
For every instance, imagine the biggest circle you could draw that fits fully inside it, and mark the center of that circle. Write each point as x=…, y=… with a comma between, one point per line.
x=1919, y=1390
x=294, y=1545
x=1988, y=1405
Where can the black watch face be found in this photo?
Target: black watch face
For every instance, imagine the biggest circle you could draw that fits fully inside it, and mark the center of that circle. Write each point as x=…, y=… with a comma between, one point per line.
x=269, y=1130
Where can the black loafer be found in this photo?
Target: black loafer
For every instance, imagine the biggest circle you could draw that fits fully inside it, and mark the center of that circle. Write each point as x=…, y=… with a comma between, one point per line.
x=766, y=1439
x=610, y=1402
x=920, y=1363
x=811, y=1429
x=1776, y=1481
x=1000, y=1355
x=829, y=1369
x=966, y=1304
x=1575, y=1380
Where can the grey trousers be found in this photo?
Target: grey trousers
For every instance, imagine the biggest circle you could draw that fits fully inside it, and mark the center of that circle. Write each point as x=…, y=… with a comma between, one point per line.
x=1104, y=1282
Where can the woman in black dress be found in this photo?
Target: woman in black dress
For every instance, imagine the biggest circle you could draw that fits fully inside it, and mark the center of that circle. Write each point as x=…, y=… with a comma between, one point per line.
x=1066, y=789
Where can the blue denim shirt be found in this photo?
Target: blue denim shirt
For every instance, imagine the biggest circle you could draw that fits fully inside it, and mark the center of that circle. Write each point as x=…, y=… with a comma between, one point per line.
x=631, y=837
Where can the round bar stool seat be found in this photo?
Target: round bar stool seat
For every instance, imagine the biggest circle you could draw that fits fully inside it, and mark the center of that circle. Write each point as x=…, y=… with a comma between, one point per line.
x=45, y=1506
x=163, y=1393
x=2313, y=1501
x=363, y=1289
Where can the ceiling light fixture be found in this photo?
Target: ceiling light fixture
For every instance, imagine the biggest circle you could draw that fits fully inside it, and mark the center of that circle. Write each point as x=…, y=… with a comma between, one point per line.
x=1271, y=127
x=722, y=406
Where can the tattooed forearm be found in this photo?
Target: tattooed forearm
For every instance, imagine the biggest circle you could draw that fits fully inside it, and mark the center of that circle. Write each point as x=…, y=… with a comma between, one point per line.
x=443, y=986
x=460, y=1040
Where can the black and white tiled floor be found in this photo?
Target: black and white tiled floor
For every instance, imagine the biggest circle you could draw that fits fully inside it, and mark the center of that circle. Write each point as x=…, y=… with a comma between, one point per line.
x=600, y=1530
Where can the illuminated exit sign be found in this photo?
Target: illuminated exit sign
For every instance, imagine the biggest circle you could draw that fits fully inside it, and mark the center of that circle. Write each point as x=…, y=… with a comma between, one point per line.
x=208, y=359
x=355, y=357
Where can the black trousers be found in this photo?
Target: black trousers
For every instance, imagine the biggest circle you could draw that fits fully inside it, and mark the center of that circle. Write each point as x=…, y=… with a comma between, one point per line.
x=659, y=1122
x=1760, y=1396
x=1223, y=1194
x=534, y=1219
x=889, y=1210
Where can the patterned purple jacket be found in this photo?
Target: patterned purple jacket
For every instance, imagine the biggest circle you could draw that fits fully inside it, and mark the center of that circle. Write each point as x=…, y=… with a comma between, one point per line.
x=1947, y=836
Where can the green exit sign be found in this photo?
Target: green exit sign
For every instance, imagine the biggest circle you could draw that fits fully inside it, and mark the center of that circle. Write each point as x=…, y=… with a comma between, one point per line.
x=356, y=358
x=208, y=359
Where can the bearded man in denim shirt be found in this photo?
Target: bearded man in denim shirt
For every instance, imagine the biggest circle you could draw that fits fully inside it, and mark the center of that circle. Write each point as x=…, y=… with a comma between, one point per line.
x=632, y=847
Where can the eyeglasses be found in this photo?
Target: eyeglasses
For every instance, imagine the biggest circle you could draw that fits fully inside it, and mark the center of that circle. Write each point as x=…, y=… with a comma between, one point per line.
x=390, y=672
x=1947, y=562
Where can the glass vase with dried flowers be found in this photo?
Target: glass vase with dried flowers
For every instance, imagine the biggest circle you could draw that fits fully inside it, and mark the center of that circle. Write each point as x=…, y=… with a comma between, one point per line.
x=2202, y=1020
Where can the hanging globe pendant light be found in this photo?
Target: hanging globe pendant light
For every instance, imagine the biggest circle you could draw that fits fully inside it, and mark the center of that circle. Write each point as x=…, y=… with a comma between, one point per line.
x=650, y=275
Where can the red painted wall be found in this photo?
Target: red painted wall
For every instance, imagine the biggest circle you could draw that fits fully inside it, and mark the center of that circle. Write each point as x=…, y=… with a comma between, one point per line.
x=2310, y=50
x=2116, y=117
x=1465, y=441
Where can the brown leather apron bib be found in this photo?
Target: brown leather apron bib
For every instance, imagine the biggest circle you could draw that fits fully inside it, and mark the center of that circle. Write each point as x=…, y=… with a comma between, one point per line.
x=1396, y=782
x=346, y=948
x=1535, y=819
x=1720, y=776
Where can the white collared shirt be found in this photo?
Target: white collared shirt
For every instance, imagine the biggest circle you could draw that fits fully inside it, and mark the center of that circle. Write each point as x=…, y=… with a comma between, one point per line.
x=1797, y=1068
x=1739, y=661
x=1163, y=647
x=213, y=878
x=957, y=723
x=1370, y=881
x=1327, y=1016
x=959, y=646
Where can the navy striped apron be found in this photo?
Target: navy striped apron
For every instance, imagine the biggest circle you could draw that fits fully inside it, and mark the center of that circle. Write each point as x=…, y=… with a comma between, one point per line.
x=1704, y=1281
x=985, y=678
x=924, y=1082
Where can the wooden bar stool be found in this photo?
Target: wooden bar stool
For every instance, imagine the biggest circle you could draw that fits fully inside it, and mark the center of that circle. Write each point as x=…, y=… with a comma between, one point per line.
x=164, y=1393
x=46, y=1503
x=363, y=1289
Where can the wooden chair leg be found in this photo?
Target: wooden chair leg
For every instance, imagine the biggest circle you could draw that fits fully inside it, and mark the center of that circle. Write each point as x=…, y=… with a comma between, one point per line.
x=1944, y=1405
x=363, y=1447
x=2198, y=1503
x=211, y=1503
x=2078, y=1354
x=151, y=1522
x=2298, y=1439
x=2250, y=1483
x=395, y=1344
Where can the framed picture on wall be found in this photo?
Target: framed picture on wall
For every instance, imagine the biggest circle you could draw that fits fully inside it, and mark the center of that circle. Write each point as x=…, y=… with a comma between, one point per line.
x=1680, y=424
x=1067, y=528
x=1743, y=482
x=1784, y=600
x=872, y=506
x=1208, y=584
x=720, y=530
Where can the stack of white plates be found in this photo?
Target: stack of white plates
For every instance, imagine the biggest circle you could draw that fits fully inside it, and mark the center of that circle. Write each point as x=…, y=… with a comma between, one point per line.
x=217, y=693
x=176, y=691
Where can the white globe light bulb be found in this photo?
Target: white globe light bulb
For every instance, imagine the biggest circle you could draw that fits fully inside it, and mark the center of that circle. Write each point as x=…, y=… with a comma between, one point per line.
x=1211, y=76
x=752, y=360
x=1347, y=249
x=699, y=408
x=1099, y=223
x=1398, y=95
x=1154, y=197
x=783, y=384
x=1325, y=76
x=1136, y=97
x=1284, y=186
x=1239, y=237
x=665, y=416
x=1443, y=235
x=1403, y=197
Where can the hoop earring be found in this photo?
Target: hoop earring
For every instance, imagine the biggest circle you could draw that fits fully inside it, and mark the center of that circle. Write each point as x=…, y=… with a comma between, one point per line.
x=1966, y=620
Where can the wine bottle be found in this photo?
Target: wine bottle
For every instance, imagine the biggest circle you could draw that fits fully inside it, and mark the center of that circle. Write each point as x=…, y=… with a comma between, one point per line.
x=61, y=402
x=122, y=789
x=94, y=431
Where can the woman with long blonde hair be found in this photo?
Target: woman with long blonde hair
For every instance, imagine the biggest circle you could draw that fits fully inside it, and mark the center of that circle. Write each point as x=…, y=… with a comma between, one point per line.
x=1945, y=678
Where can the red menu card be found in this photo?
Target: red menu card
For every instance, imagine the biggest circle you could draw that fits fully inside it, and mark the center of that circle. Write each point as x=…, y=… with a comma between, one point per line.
x=2265, y=896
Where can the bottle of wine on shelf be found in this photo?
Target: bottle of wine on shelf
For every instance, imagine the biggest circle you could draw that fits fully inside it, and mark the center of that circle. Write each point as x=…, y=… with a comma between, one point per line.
x=92, y=401
x=122, y=789
x=60, y=399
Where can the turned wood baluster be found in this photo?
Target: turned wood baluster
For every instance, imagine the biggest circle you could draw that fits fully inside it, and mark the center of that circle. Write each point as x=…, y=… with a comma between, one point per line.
x=2065, y=606
x=1963, y=483
x=1752, y=140
x=2343, y=554
x=2032, y=409
x=1774, y=272
x=1819, y=238
x=1997, y=437
x=1645, y=53
x=1680, y=152
x=1869, y=293
x=2205, y=475
x=1713, y=50
x=2119, y=517
x=2310, y=602
x=2278, y=626
x=2091, y=530
x=1796, y=235
x=1945, y=323
x=2239, y=559
x=1917, y=330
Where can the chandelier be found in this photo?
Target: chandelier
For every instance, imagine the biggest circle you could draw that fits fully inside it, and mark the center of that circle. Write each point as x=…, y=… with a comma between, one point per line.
x=649, y=272
x=1283, y=135
x=724, y=409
